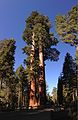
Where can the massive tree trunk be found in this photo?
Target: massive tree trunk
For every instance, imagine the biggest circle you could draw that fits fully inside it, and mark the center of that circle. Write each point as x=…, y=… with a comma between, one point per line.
x=32, y=97
x=42, y=86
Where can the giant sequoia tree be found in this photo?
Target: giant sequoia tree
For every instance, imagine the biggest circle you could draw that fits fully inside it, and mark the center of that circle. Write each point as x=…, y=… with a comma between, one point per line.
x=7, y=50
x=67, y=28
x=38, y=48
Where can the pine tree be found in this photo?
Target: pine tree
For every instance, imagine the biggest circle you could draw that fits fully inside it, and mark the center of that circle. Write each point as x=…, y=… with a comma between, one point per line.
x=7, y=50
x=22, y=87
x=69, y=77
x=67, y=27
x=67, y=82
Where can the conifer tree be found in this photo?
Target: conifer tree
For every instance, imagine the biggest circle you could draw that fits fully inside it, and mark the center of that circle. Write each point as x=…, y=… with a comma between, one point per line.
x=67, y=27
x=38, y=48
x=69, y=77
x=7, y=50
x=22, y=87
x=67, y=82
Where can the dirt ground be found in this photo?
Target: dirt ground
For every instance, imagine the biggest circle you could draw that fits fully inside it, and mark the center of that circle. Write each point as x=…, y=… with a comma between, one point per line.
x=38, y=115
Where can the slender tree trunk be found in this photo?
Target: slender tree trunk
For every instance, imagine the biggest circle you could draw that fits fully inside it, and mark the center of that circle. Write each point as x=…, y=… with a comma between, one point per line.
x=77, y=55
x=0, y=84
x=77, y=68
x=20, y=96
x=32, y=97
x=23, y=100
x=1, y=81
x=42, y=87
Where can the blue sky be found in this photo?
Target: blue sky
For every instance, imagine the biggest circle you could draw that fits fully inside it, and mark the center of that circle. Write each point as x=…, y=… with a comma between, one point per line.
x=13, y=14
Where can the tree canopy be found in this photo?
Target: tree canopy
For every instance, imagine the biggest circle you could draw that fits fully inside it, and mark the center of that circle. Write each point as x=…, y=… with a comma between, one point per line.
x=67, y=26
x=67, y=82
x=7, y=60
x=40, y=25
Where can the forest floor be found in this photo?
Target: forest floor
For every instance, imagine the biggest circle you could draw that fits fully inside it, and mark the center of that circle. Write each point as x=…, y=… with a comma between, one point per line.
x=46, y=114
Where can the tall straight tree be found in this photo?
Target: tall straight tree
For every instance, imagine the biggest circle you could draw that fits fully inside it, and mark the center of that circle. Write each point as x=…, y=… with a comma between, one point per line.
x=67, y=82
x=7, y=50
x=38, y=25
x=69, y=76
x=22, y=87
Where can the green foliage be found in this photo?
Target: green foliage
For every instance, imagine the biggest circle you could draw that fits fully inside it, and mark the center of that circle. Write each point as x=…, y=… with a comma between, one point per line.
x=38, y=40
x=67, y=82
x=2, y=93
x=7, y=50
x=69, y=79
x=69, y=73
x=40, y=25
x=20, y=72
x=54, y=94
x=22, y=77
x=22, y=85
x=67, y=26
x=7, y=60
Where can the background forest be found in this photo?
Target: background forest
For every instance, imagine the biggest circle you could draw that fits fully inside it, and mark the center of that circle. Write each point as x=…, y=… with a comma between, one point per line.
x=26, y=86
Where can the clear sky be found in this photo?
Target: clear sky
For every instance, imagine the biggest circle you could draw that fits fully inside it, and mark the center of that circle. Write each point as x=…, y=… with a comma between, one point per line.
x=13, y=14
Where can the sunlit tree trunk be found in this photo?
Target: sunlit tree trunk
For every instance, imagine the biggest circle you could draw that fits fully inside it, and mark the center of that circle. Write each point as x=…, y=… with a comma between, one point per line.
x=32, y=97
x=23, y=100
x=42, y=86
